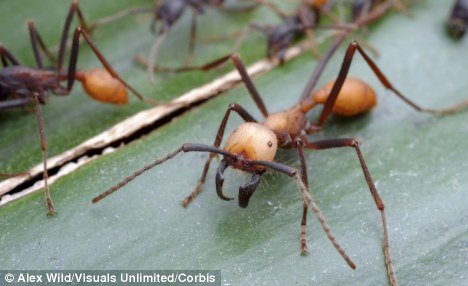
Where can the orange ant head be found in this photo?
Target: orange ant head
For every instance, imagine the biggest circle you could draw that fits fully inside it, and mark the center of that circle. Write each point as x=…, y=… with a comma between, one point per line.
x=253, y=141
x=101, y=86
x=355, y=97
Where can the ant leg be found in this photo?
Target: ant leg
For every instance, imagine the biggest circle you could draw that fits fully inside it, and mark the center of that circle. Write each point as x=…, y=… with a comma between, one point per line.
x=187, y=147
x=352, y=48
x=206, y=67
x=119, y=15
x=35, y=40
x=219, y=137
x=273, y=8
x=303, y=236
x=375, y=14
x=74, y=57
x=308, y=201
x=63, y=39
x=321, y=65
x=310, y=32
x=14, y=103
x=193, y=36
x=40, y=124
x=7, y=56
x=337, y=143
x=154, y=52
x=249, y=84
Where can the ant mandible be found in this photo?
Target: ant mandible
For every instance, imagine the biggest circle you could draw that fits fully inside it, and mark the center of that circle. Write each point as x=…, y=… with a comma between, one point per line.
x=21, y=85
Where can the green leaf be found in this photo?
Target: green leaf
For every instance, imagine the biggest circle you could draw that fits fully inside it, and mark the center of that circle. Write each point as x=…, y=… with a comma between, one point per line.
x=418, y=162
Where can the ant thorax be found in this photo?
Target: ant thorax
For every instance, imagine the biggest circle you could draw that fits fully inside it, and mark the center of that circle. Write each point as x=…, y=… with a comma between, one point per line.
x=252, y=141
x=287, y=124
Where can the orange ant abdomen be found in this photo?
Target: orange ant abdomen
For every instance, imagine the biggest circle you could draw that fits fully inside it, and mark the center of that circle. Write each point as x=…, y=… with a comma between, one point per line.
x=254, y=141
x=355, y=97
x=318, y=3
x=101, y=86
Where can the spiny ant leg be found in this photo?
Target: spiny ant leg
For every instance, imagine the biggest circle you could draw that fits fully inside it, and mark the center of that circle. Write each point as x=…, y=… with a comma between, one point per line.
x=40, y=124
x=188, y=147
x=337, y=143
x=219, y=137
x=350, y=52
x=308, y=201
x=303, y=234
x=249, y=84
x=35, y=41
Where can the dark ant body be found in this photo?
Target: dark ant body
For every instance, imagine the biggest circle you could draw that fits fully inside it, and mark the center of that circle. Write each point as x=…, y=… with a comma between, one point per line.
x=168, y=13
x=21, y=85
x=458, y=20
x=293, y=27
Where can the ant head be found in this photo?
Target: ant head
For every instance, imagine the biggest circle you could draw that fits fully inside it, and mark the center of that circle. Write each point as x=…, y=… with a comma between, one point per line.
x=251, y=141
x=456, y=28
x=101, y=86
x=355, y=97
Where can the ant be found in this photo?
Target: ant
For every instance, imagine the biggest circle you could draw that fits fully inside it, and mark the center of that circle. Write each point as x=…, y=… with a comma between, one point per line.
x=305, y=19
x=252, y=146
x=21, y=85
x=168, y=13
x=360, y=8
x=458, y=20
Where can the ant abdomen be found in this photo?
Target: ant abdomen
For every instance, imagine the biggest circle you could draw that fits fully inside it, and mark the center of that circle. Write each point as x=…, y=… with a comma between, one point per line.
x=101, y=86
x=355, y=97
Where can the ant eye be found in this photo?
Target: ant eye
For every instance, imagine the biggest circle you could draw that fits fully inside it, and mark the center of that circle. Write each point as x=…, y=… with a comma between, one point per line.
x=270, y=144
